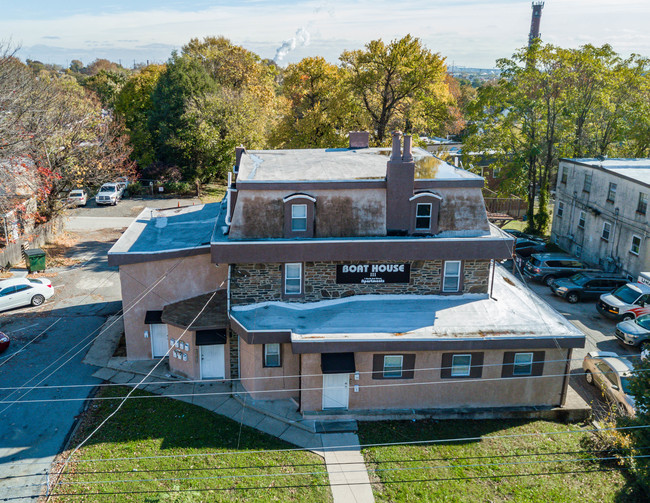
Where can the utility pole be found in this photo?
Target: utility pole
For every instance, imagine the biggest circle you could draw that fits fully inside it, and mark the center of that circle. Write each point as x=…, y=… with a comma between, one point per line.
x=535, y=21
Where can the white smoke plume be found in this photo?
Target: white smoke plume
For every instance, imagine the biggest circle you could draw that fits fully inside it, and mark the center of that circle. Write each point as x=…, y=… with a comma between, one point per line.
x=301, y=38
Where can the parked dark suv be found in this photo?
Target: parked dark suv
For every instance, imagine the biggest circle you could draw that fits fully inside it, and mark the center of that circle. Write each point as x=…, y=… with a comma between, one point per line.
x=586, y=285
x=545, y=267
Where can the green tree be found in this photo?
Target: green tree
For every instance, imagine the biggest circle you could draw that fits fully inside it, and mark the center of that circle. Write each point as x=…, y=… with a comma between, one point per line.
x=107, y=85
x=401, y=85
x=320, y=108
x=133, y=106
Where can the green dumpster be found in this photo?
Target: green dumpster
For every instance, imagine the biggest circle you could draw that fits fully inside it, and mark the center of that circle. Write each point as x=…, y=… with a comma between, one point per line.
x=35, y=260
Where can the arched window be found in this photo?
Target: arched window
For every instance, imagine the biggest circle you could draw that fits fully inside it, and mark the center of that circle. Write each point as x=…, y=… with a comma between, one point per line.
x=299, y=216
x=425, y=207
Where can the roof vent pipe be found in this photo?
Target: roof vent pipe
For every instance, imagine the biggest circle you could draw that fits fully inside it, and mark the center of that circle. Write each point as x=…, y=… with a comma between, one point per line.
x=396, y=154
x=407, y=155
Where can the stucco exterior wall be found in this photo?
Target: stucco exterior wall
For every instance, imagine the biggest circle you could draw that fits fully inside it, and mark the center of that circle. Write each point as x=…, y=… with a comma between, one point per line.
x=338, y=213
x=252, y=283
x=462, y=209
x=192, y=367
x=614, y=254
x=185, y=278
x=265, y=383
x=427, y=390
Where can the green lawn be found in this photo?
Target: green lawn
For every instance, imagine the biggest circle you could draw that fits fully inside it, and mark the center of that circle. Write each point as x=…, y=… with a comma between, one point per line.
x=164, y=427
x=474, y=476
x=213, y=192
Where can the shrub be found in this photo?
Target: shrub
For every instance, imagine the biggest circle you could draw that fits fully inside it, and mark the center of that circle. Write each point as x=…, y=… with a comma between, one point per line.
x=134, y=189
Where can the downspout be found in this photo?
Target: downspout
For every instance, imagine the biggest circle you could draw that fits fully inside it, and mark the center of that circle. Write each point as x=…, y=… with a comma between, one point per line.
x=228, y=216
x=300, y=382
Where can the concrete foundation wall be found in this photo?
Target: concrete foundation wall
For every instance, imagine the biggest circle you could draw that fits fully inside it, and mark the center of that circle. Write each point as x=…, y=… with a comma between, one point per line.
x=427, y=390
x=266, y=383
x=186, y=278
x=252, y=283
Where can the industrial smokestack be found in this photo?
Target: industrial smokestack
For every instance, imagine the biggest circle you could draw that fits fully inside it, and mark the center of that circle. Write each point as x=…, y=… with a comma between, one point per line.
x=535, y=21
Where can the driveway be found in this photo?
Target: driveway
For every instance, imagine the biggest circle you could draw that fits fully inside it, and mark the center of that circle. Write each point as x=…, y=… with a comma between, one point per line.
x=48, y=345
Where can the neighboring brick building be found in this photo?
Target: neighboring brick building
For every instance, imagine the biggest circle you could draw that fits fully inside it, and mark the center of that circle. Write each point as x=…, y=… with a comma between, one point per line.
x=356, y=279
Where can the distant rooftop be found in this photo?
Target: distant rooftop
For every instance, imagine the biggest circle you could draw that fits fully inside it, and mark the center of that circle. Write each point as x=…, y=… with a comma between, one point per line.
x=637, y=169
x=168, y=230
x=338, y=164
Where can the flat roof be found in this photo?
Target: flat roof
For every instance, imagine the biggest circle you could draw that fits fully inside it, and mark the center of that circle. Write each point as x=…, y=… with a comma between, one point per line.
x=338, y=164
x=634, y=168
x=514, y=311
x=160, y=231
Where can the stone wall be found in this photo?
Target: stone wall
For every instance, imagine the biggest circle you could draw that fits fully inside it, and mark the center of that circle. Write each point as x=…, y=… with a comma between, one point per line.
x=252, y=283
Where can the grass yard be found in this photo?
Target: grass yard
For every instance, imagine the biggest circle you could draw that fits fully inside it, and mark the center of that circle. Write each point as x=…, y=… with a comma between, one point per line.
x=475, y=476
x=163, y=427
x=213, y=192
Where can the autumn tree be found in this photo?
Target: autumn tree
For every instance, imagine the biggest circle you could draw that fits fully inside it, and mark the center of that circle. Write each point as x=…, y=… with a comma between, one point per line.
x=401, y=85
x=320, y=109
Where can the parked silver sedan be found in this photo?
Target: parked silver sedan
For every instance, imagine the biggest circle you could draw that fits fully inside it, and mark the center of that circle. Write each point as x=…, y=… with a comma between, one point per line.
x=611, y=373
x=24, y=291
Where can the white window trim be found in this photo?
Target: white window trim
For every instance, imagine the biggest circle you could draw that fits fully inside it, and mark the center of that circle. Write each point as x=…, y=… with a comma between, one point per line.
x=582, y=216
x=560, y=209
x=444, y=275
x=286, y=277
x=299, y=196
x=455, y=372
x=293, y=206
x=428, y=227
x=394, y=369
x=609, y=231
x=529, y=364
x=632, y=245
x=266, y=355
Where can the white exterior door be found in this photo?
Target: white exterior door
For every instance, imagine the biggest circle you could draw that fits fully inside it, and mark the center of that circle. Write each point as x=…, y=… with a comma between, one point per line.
x=336, y=391
x=213, y=365
x=158, y=340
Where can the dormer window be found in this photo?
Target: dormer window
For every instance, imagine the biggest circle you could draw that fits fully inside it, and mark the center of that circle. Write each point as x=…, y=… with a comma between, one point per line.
x=425, y=207
x=299, y=216
x=423, y=217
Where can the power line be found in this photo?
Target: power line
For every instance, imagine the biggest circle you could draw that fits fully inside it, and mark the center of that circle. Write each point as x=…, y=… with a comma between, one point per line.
x=266, y=378
x=307, y=486
x=317, y=388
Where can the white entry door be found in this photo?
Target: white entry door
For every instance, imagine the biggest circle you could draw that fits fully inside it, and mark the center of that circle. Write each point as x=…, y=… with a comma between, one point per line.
x=336, y=391
x=158, y=340
x=213, y=365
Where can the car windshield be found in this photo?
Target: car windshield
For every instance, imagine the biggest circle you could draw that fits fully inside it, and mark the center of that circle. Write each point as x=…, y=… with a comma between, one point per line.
x=644, y=321
x=110, y=188
x=626, y=294
x=579, y=279
x=625, y=383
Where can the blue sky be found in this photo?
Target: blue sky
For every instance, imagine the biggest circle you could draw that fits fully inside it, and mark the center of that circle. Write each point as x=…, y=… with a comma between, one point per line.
x=466, y=32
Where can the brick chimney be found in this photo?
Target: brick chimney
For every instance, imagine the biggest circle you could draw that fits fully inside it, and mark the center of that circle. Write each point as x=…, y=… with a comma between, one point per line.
x=359, y=139
x=400, y=172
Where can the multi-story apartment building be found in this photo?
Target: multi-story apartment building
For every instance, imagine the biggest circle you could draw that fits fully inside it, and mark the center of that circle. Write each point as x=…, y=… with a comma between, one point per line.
x=344, y=279
x=601, y=212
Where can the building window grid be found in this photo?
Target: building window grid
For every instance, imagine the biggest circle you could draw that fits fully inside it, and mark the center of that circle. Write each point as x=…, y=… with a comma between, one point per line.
x=293, y=279
x=298, y=217
x=582, y=218
x=611, y=193
x=393, y=365
x=607, y=229
x=461, y=365
x=636, y=245
x=587, y=185
x=272, y=355
x=565, y=175
x=423, y=216
x=560, y=209
x=451, y=276
x=642, y=207
x=523, y=364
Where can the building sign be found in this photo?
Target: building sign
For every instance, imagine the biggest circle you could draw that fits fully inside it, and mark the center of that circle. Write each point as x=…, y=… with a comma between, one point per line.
x=373, y=273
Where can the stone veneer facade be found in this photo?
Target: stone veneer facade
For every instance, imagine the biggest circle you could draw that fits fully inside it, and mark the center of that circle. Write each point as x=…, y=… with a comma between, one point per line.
x=251, y=283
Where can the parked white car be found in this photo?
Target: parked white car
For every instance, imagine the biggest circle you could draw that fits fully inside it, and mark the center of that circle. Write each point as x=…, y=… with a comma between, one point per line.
x=77, y=197
x=109, y=193
x=24, y=291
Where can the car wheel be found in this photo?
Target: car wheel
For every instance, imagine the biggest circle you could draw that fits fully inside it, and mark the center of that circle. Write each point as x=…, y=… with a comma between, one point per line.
x=589, y=377
x=627, y=317
x=548, y=280
x=572, y=297
x=37, y=300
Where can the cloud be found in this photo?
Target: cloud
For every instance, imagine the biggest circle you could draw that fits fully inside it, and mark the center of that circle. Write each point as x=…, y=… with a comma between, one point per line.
x=51, y=37
x=299, y=40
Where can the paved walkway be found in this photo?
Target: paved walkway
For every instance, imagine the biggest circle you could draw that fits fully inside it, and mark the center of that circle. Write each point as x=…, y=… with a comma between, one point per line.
x=347, y=472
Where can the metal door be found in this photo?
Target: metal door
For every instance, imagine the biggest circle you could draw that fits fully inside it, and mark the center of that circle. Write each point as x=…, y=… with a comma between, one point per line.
x=336, y=391
x=212, y=361
x=158, y=340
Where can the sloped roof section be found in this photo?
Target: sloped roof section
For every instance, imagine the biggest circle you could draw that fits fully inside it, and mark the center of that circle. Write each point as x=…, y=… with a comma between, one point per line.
x=203, y=312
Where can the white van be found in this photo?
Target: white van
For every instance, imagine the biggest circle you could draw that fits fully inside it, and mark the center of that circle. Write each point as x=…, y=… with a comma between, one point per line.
x=626, y=302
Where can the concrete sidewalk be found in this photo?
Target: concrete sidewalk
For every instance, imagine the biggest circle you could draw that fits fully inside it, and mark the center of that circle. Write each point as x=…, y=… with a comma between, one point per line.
x=346, y=468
